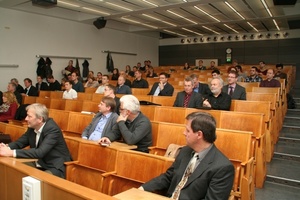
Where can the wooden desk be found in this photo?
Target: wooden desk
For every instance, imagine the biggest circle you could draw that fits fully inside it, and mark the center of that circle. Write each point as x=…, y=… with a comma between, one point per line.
x=136, y=194
x=120, y=145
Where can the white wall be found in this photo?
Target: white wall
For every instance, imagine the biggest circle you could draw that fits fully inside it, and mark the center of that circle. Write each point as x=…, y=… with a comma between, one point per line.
x=24, y=35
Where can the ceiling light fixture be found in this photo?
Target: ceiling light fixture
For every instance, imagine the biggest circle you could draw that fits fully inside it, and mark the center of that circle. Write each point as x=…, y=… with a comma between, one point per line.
x=266, y=7
x=97, y=11
x=215, y=38
x=251, y=36
x=208, y=38
x=122, y=7
x=260, y=36
x=229, y=37
x=195, y=39
x=244, y=37
x=231, y=28
x=174, y=33
x=181, y=16
x=237, y=37
x=148, y=2
x=232, y=8
x=211, y=30
x=285, y=34
x=69, y=4
x=252, y=26
x=207, y=13
x=222, y=38
x=192, y=31
x=201, y=39
x=268, y=35
x=130, y=20
x=276, y=25
x=149, y=16
x=276, y=35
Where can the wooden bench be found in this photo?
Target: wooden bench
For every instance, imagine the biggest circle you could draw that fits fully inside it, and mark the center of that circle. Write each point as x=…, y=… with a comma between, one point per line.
x=15, y=131
x=28, y=99
x=90, y=106
x=90, y=90
x=140, y=91
x=164, y=100
x=77, y=122
x=73, y=146
x=93, y=160
x=56, y=94
x=97, y=97
x=133, y=168
x=61, y=118
x=170, y=114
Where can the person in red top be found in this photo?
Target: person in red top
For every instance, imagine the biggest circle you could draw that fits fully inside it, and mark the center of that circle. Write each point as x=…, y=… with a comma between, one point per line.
x=9, y=107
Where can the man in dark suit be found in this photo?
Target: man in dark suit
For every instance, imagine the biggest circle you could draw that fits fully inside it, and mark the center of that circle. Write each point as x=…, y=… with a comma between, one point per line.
x=201, y=88
x=103, y=121
x=19, y=87
x=211, y=175
x=233, y=89
x=11, y=87
x=40, y=85
x=45, y=140
x=188, y=98
x=29, y=90
x=162, y=88
x=122, y=88
x=110, y=91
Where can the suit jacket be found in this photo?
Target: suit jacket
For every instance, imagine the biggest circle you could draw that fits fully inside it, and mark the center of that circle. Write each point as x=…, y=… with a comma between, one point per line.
x=212, y=178
x=51, y=150
x=44, y=86
x=239, y=92
x=32, y=91
x=196, y=100
x=124, y=89
x=107, y=128
x=204, y=89
x=167, y=91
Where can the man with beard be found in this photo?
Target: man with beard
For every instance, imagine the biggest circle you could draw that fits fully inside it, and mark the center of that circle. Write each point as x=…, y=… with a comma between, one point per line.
x=218, y=100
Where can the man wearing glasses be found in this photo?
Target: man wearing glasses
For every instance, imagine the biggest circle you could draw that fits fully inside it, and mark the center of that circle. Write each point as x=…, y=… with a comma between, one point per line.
x=253, y=75
x=132, y=125
x=233, y=89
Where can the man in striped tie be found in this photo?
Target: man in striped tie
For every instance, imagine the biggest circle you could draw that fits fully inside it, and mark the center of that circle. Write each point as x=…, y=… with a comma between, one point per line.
x=200, y=171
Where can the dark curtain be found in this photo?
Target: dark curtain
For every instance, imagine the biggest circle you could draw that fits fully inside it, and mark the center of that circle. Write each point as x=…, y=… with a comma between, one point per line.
x=109, y=63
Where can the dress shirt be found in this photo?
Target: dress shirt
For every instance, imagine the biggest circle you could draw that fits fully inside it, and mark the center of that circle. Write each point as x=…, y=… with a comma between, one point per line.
x=221, y=102
x=97, y=134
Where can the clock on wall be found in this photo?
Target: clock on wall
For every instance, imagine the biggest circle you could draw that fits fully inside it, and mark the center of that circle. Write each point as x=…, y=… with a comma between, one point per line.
x=228, y=55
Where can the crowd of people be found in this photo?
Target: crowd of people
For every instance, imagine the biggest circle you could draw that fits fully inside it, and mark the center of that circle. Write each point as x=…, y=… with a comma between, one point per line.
x=121, y=118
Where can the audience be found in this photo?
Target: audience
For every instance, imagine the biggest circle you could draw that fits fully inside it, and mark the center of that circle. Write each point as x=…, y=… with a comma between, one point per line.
x=162, y=88
x=103, y=121
x=128, y=71
x=69, y=92
x=40, y=85
x=19, y=87
x=105, y=80
x=54, y=85
x=270, y=81
x=200, y=171
x=253, y=77
x=200, y=65
x=99, y=77
x=262, y=68
x=122, y=88
x=201, y=88
x=217, y=100
x=212, y=65
x=186, y=66
x=110, y=91
x=91, y=82
x=279, y=74
x=9, y=107
x=45, y=140
x=151, y=73
x=139, y=82
x=11, y=87
x=233, y=89
x=127, y=81
x=77, y=85
x=115, y=74
x=188, y=98
x=134, y=127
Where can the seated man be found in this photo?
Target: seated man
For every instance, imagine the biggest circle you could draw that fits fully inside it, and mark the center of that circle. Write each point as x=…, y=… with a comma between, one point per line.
x=216, y=73
x=45, y=140
x=122, y=88
x=253, y=77
x=139, y=82
x=188, y=98
x=200, y=171
x=270, y=81
x=279, y=74
x=69, y=93
x=201, y=88
x=110, y=91
x=200, y=65
x=77, y=84
x=103, y=121
x=162, y=88
x=104, y=82
x=217, y=100
x=29, y=90
x=132, y=125
x=233, y=89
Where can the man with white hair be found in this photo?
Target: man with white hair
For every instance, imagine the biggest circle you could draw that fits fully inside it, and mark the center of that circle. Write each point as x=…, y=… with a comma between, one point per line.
x=132, y=125
x=218, y=100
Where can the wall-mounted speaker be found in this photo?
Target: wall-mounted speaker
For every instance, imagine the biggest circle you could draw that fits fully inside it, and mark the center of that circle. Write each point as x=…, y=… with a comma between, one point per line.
x=99, y=23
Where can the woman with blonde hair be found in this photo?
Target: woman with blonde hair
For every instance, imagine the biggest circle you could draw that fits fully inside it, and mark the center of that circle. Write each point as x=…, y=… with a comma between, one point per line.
x=9, y=107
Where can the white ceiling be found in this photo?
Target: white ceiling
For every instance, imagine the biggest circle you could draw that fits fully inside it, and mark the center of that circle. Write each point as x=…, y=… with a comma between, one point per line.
x=150, y=19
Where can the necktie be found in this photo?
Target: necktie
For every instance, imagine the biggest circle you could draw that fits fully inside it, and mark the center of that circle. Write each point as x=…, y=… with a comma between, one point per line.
x=230, y=90
x=189, y=170
x=186, y=100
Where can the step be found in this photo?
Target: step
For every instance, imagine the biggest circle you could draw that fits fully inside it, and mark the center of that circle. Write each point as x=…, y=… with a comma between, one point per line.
x=276, y=191
x=290, y=132
x=291, y=121
x=293, y=112
x=284, y=172
x=288, y=146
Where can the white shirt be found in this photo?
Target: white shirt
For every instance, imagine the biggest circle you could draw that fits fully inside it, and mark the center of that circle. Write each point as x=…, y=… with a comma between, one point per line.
x=71, y=94
x=100, y=89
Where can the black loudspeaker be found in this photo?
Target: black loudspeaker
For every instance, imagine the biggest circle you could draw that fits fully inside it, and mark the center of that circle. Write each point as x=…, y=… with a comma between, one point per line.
x=100, y=23
x=284, y=2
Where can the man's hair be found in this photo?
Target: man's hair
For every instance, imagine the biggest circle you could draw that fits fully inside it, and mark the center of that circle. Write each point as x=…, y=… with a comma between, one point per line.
x=70, y=82
x=111, y=87
x=253, y=67
x=193, y=76
x=13, y=85
x=109, y=101
x=233, y=72
x=189, y=79
x=205, y=123
x=14, y=80
x=50, y=77
x=130, y=103
x=220, y=80
x=29, y=80
x=279, y=65
x=271, y=70
x=165, y=74
x=105, y=75
x=263, y=62
x=40, y=110
x=216, y=71
x=239, y=67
